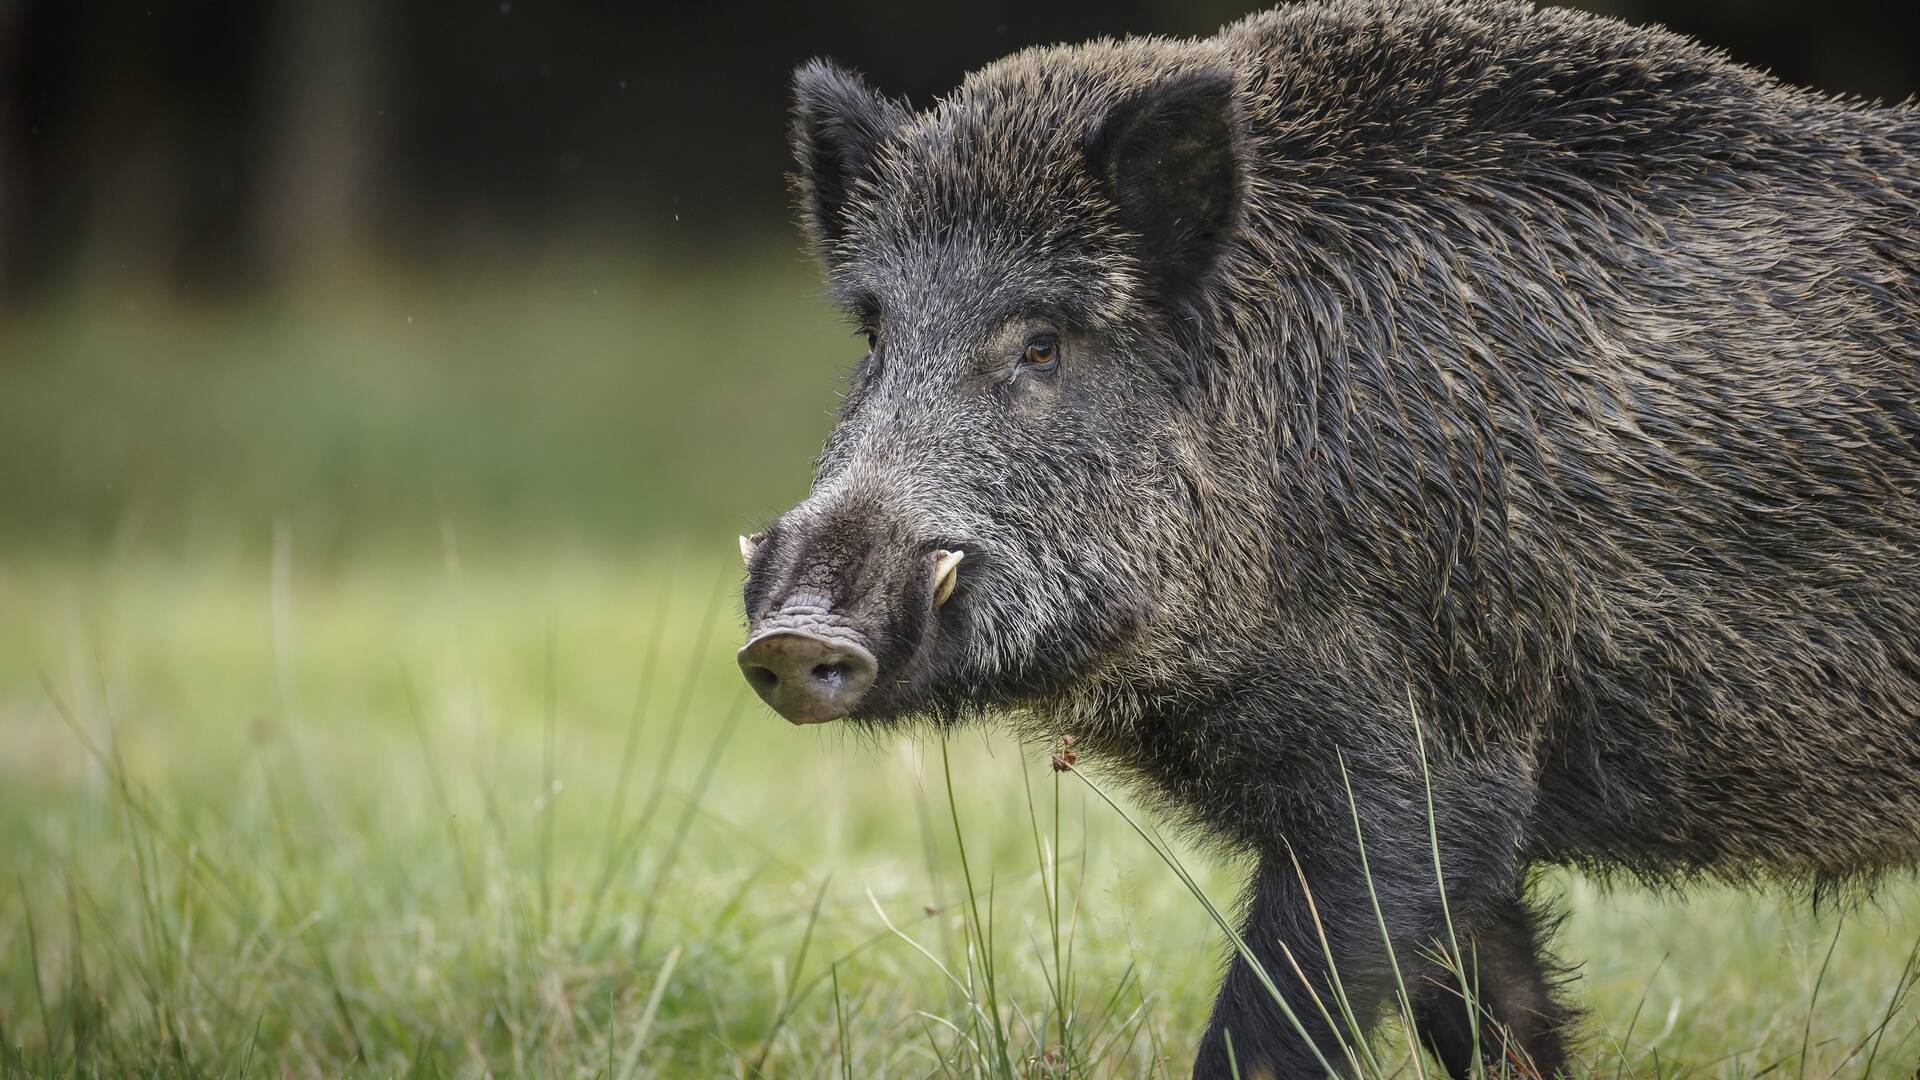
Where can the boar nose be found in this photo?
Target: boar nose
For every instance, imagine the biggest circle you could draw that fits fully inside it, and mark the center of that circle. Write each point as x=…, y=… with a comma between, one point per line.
x=807, y=678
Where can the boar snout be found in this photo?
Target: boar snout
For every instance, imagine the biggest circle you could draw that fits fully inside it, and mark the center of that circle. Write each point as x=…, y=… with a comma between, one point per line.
x=838, y=597
x=808, y=678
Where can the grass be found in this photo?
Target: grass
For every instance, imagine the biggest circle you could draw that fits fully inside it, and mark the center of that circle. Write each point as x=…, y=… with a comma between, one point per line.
x=357, y=715
x=430, y=819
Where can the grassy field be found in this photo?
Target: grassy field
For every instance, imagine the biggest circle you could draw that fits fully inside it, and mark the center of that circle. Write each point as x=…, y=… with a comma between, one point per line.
x=367, y=706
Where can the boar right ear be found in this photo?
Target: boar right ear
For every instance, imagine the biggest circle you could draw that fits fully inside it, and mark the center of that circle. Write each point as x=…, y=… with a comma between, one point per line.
x=1172, y=158
x=838, y=124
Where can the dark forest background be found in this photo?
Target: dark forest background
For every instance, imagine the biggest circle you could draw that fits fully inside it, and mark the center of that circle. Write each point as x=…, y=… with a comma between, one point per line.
x=216, y=144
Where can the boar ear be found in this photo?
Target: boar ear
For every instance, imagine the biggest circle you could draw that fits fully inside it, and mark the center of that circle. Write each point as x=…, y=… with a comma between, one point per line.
x=838, y=125
x=1172, y=159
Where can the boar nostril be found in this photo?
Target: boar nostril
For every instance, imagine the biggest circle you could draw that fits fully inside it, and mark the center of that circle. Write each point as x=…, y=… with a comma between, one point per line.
x=761, y=679
x=807, y=678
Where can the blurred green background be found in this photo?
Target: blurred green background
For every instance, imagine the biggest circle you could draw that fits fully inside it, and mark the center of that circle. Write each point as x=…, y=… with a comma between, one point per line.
x=365, y=268
x=381, y=389
x=605, y=405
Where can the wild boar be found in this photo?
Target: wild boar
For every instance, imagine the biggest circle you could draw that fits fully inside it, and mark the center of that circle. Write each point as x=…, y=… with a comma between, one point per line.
x=1522, y=388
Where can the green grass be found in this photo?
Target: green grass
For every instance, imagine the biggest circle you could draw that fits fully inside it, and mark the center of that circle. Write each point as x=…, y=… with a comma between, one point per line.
x=362, y=711
x=387, y=814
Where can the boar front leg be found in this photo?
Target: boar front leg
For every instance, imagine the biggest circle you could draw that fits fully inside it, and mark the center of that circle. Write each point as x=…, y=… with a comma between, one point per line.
x=1310, y=921
x=1271, y=1026
x=1517, y=1022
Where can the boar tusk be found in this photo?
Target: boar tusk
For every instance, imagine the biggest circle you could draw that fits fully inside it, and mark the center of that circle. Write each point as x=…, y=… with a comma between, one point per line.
x=748, y=544
x=946, y=573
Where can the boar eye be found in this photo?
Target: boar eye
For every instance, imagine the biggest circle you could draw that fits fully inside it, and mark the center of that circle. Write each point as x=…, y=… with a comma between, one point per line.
x=1043, y=353
x=873, y=340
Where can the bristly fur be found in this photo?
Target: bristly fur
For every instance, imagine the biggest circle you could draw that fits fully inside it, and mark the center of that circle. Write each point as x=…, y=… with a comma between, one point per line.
x=1546, y=381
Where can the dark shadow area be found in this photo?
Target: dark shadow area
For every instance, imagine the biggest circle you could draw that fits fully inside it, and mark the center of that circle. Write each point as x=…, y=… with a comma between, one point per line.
x=224, y=144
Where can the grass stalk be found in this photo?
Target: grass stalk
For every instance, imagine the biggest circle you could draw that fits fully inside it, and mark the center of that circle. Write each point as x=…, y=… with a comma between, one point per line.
x=1239, y=944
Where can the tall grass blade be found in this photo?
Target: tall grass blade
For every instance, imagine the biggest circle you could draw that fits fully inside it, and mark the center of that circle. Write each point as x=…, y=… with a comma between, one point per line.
x=436, y=787
x=789, y=998
x=1358, y=1047
x=630, y=1065
x=1908, y=977
x=1380, y=917
x=623, y=776
x=1239, y=944
x=664, y=871
x=1626, y=1041
x=33, y=971
x=1469, y=978
x=840, y=1028
x=981, y=932
x=549, y=792
x=626, y=848
x=1813, y=1002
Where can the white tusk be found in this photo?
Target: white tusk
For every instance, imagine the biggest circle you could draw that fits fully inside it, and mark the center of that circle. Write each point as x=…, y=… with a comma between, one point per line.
x=946, y=567
x=748, y=544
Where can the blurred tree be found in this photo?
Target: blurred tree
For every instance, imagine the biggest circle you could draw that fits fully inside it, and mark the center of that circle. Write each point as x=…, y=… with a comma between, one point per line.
x=12, y=153
x=214, y=143
x=322, y=87
x=135, y=132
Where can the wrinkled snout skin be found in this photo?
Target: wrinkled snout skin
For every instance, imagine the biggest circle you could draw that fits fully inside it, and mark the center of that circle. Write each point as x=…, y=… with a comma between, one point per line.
x=841, y=610
x=808, y=676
